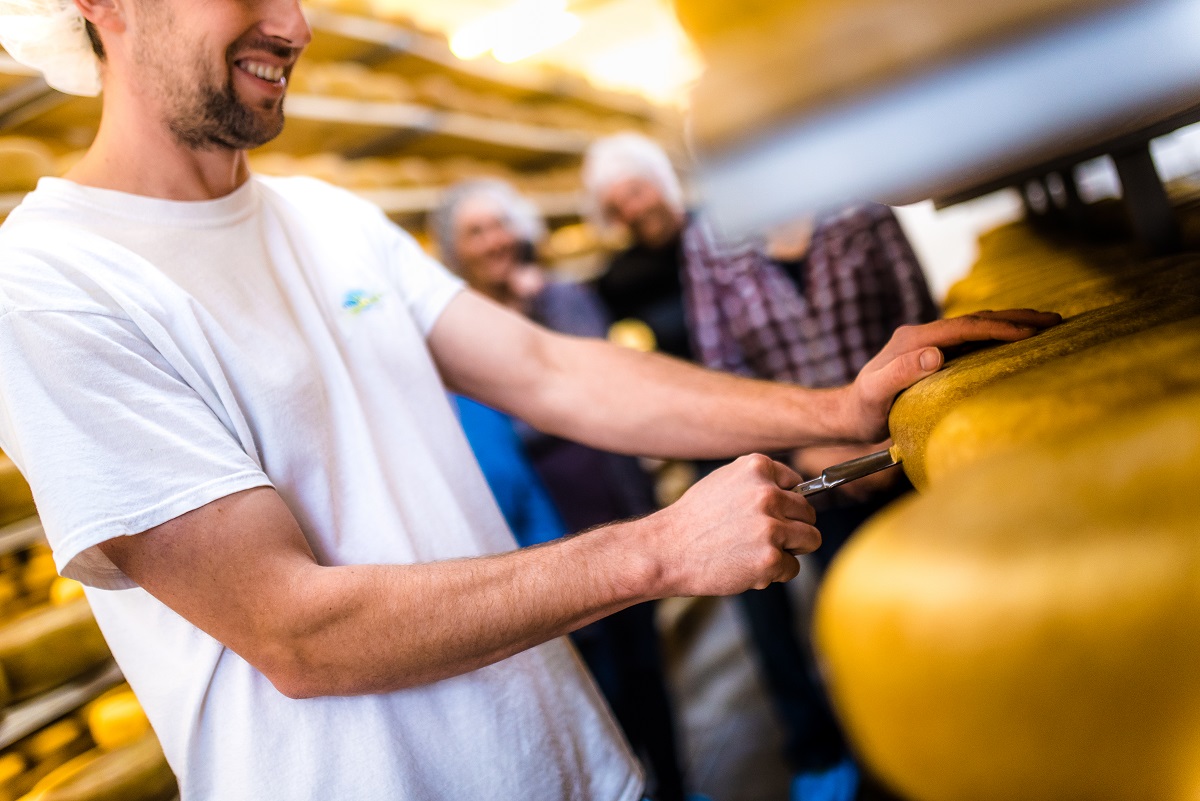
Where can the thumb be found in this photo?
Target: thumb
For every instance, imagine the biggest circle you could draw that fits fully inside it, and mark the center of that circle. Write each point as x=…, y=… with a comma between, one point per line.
x=901, y=373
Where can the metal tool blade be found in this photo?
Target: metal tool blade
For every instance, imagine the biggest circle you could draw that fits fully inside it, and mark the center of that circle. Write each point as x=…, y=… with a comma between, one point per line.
x=838, y=474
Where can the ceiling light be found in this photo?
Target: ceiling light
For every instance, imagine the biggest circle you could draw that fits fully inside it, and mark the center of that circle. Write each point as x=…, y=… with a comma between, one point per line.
x=516, y=32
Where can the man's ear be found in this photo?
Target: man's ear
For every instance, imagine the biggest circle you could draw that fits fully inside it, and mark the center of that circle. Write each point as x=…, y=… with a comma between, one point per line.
x=105, y=15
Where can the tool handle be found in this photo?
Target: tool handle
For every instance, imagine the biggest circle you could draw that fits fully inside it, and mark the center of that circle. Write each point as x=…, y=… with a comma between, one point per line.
x=838, y=474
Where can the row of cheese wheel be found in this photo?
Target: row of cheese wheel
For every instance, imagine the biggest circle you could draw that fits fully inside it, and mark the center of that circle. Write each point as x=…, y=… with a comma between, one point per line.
x=1025, y=626
x=411, y=171
x=349, y=79
x=104, y=752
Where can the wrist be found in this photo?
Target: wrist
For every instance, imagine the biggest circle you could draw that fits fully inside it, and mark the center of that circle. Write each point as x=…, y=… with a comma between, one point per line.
x=624, y=562
x=838, y=416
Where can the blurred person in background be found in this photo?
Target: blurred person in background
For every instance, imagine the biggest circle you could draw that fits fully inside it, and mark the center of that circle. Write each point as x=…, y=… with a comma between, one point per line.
x=488, y=234
x=810, y=305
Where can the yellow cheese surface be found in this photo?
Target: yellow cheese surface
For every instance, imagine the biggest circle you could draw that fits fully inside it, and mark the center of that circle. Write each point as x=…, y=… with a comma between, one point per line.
x=1073, y=395
x=919, y=410
x=117, y=720
x=772, y=60
x=1027, y=629
x=137, y=772
x=16, y=499
x=43, y=648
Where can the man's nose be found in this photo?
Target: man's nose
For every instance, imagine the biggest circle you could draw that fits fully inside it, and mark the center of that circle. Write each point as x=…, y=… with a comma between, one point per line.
x=284, y=20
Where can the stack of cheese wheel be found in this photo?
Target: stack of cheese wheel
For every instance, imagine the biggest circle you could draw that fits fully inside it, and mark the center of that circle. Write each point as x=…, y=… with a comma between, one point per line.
x=1024, y=627
x=770, y=61
x=16, y=499
x=127, y=763
x=1027, y=629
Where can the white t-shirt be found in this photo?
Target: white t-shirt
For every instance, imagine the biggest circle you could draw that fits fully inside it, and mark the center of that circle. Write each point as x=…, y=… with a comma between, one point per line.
x=157, y=355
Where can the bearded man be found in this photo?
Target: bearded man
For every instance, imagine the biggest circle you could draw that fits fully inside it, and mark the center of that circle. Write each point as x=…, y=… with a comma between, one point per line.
x=228, y=394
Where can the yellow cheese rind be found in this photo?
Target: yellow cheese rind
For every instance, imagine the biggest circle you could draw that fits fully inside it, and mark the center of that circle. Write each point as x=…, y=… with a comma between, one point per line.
x=919, y=410
x=1022, y=267
x=16, y=499
x=770, y=61
x=1073, y=395
x=1037, y=642
x=117, y=720
x=23, y=161
x=49, y=646
x=137, y=772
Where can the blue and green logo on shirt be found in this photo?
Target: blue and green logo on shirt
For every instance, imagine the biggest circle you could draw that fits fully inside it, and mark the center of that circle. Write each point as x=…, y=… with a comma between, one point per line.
x=359, y=300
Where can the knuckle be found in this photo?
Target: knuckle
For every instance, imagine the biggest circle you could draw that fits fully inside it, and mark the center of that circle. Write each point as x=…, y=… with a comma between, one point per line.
x=764, y=498
x=765, y=560
x=757, y=461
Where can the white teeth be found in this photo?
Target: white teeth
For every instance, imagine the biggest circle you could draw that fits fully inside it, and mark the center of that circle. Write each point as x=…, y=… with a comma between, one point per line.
x=264, y=71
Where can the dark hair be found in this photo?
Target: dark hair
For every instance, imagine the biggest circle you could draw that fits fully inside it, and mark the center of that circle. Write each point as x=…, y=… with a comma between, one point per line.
x=94, y=37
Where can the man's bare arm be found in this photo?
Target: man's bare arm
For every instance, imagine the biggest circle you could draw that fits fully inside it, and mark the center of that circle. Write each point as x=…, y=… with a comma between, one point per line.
x=651, y=405
x=240, y=569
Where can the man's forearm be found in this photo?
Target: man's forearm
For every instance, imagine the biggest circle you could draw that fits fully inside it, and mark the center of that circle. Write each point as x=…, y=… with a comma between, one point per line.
x=591, y=391
x=240, y=569
x=649, y=404
x=428, y=622
x=378, y=628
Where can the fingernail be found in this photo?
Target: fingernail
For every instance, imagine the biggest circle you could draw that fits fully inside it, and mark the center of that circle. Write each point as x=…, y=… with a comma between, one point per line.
x=929, y=360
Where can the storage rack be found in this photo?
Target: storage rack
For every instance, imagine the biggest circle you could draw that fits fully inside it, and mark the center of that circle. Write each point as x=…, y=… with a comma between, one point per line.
x=1103, y=84
x=26, y=717
x=396, y=48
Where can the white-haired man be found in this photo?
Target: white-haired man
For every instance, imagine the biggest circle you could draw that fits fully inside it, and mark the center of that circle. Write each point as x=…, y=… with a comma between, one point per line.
x=227, y=394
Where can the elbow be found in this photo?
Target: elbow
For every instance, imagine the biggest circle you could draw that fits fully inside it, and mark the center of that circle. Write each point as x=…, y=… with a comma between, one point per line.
x=297, y=687
x=291, y=672
x=290, y=657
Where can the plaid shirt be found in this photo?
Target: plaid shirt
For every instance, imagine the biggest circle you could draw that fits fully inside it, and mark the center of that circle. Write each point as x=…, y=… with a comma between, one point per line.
x=860, y=281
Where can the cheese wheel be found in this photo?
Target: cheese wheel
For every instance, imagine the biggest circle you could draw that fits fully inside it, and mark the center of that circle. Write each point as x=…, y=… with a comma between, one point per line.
x=22, y=162
x=16, y=499
x=1073, y=394
x=922, y=407
x=771, y=61
x=1019, y=267
x=50, y=645
x=1027, y=630
x=117, y=721
x=64, y=591
x=137, y=772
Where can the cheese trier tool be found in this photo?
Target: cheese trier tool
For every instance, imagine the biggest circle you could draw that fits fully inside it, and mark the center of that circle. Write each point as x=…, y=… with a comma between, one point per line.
x=839, y=474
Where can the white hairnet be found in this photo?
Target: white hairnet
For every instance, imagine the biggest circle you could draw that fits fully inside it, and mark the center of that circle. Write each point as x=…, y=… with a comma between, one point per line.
x=630, y=155
x=49, y=36
x=518, y=213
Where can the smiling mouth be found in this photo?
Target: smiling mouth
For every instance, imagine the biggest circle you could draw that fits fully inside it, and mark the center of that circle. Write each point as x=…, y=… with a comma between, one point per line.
x=264, y=72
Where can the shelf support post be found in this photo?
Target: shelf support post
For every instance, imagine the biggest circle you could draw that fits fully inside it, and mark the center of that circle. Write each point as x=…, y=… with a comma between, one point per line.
x=1150, y=213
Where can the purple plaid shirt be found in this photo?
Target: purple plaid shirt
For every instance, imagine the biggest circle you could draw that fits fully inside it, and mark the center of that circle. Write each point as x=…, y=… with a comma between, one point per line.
x=859, y=282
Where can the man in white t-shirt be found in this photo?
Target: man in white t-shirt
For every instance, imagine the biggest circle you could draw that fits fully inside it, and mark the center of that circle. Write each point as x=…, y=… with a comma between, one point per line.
x=229, y=396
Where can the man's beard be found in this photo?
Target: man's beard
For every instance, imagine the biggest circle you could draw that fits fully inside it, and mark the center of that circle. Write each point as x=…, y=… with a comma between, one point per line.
x=214, y=117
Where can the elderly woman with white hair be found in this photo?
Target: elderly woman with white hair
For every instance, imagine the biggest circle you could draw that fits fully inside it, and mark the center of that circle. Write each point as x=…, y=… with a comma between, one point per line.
x=488, y=233
x=809, y=306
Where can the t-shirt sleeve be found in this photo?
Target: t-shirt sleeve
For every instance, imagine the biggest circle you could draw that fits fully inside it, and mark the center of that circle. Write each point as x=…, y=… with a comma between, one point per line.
x=425, y=284
x=110, y=438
